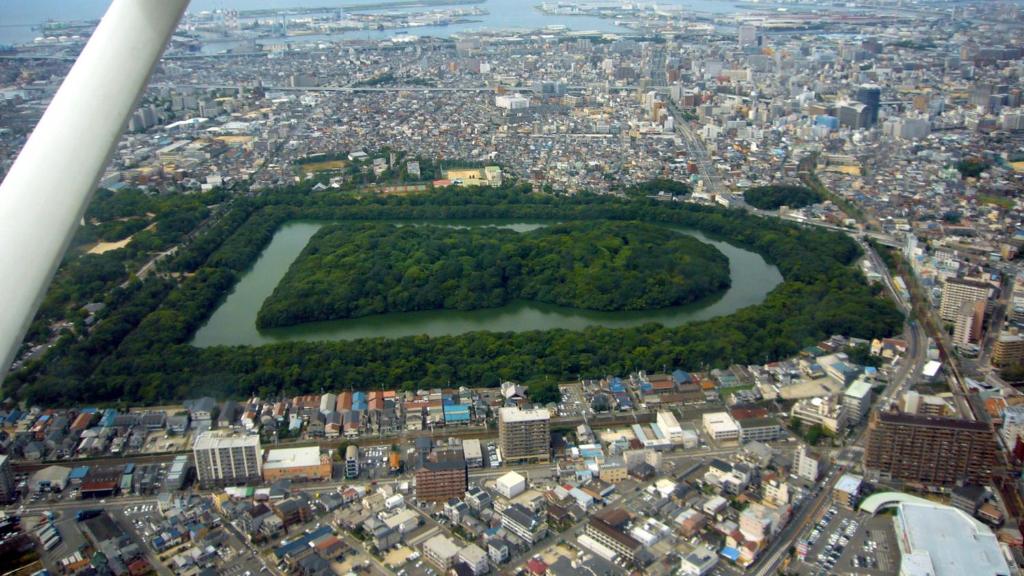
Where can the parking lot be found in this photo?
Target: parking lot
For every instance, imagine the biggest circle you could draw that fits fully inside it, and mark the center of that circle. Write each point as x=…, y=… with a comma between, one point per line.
x=140, y=518
x=574, y=403
x=846, y=542
x=72, y=539
x=373, y=461
x=490, y=454
x=873, y=549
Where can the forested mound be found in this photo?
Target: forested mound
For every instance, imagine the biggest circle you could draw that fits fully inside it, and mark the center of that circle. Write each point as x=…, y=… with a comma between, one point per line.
x=353, y=270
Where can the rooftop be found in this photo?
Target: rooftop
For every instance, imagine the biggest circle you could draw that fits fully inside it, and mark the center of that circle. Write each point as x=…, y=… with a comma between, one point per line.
x=849, y=483
x=943, y=541
x=442, y=546
x=859, y=389
x=471, y=448
x=916, y=420
x=519, y=415
x=217, y=440
x=292, y=458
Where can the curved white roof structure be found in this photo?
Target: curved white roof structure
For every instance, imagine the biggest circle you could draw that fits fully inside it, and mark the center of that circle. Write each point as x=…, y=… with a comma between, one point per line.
x=939, y=540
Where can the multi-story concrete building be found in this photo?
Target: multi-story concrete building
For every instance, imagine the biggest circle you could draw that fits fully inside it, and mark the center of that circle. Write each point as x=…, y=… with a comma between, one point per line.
x=759, y=429
x=473, y=453
x=224, y=459
x=441, y=476
x=669, y=425
x=1008, y=349
x=826, y=411
x=959, y=291
x=969, y=322
x=6, y=479
x=806, y=464
x=510, y=485
x=524, y=435
x=913, y=402
x=935, y=452
x=474, y=557
x=352, y=461
x=857, y=401
x=441, y=551
x=610, y=537
x=720, y=426
x=846, y=491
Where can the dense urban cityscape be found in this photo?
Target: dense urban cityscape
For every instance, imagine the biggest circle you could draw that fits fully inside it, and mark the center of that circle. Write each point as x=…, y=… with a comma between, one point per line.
x=458, y=287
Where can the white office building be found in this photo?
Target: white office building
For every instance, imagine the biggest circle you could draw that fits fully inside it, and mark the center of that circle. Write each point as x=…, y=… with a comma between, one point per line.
x=669, y=426
x=721, y=426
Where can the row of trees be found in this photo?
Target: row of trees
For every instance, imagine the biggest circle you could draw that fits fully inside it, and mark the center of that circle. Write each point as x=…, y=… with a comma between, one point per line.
x=348, y=271
x=822, y=295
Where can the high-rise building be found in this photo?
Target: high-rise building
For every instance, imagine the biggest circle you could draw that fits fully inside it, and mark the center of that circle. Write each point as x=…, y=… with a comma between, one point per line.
x=524, y=435
x=6, y=480
x=958, y=291
x=853, y=115
x=871, y=96
x=928, y=450
x=1008, y=349
x=748, y=35
x=968, y=324
x=441, y=476
x=224, y=459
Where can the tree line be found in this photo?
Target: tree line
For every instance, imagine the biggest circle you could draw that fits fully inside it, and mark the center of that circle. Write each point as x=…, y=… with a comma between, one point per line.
x=144, y=356
x=775, y=196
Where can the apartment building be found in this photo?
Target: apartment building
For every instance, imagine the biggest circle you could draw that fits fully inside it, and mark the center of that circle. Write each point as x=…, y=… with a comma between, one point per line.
x=927, y=450
x=441, y=551
x=1008, y=349
x=959, y=291
x=225, y=458
x=441, y=476
x=807, y=464
x=524, y=435
x=612, y=538
x=857, y=401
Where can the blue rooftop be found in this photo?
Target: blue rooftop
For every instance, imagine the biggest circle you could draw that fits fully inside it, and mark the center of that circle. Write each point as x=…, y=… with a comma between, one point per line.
x=78, y=473
x=680, y=376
